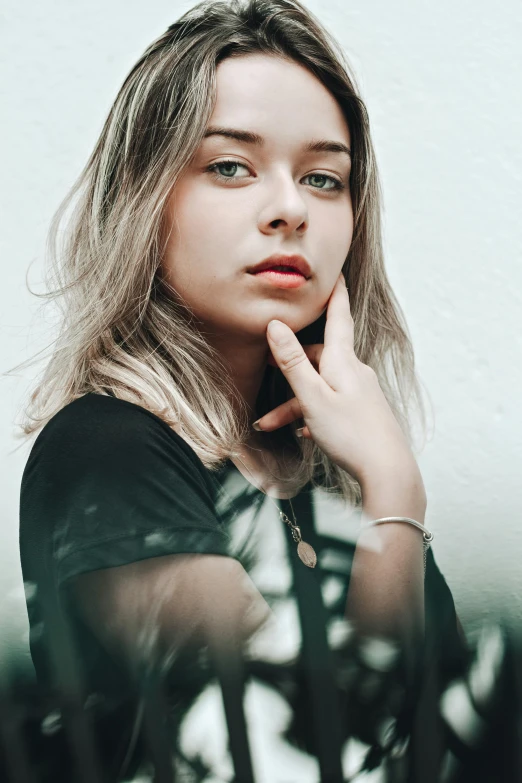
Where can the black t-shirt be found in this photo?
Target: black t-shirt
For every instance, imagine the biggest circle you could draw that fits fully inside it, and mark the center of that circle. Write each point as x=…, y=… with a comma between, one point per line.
x=108, y=483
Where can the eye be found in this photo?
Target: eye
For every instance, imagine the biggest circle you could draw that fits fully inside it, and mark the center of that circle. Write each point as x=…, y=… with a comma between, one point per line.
x=225, y=164
x=337, y=183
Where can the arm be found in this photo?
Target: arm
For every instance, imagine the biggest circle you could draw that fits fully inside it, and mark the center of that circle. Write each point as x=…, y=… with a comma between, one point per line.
x=347, y=415
x=386, y=594
x=152, y=608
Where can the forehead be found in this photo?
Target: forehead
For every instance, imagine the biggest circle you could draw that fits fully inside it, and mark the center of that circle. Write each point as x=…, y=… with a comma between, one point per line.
x=276, y=96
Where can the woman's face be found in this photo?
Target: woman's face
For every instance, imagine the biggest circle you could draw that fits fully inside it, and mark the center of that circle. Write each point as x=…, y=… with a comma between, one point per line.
x=240, y=202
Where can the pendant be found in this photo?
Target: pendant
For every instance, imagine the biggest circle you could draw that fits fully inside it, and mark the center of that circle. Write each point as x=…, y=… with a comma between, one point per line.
x=306, y=554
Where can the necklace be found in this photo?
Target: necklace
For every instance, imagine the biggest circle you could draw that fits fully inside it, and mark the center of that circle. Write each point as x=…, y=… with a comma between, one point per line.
x=305, y=552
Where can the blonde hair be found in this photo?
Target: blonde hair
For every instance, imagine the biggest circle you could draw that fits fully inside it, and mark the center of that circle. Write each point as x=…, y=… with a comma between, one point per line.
x=124, y=331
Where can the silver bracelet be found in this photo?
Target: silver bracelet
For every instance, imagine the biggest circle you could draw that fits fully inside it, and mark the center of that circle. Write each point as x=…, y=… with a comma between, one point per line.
x=427, y=535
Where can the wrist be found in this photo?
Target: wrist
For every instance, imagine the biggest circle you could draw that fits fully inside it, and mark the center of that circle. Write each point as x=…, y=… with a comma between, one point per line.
x=386, y=497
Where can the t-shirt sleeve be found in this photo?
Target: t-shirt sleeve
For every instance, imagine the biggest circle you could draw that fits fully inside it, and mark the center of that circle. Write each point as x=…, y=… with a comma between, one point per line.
x=113, y=484
x=441, y=627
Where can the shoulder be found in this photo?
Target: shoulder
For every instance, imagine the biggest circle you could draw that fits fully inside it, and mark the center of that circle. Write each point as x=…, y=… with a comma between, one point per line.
x=108, y=483
x=111, y=445
x=102, y=428
x=98, y=417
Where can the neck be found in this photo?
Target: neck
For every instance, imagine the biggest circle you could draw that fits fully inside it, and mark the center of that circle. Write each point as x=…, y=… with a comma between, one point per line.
x=246, y=359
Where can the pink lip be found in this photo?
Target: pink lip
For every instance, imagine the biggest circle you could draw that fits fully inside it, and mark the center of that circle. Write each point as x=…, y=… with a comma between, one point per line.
x=281, y=279
x=297, y=262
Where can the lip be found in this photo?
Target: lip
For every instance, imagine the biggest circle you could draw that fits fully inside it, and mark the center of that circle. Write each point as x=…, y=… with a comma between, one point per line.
x=290, y=279
x=296, y=262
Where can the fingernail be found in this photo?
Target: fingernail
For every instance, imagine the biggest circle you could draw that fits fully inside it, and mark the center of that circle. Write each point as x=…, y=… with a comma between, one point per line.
x=276, y=331
x=299, y=432
x=256, y=426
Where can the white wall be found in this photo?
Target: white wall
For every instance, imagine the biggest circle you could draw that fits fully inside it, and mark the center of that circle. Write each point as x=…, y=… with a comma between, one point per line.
x=442, y=84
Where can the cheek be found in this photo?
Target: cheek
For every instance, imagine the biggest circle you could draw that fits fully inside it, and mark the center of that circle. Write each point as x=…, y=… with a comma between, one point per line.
x=203, y=219
x=337, y=239
x=343, y=230
x=198, y=247
x=334, y=221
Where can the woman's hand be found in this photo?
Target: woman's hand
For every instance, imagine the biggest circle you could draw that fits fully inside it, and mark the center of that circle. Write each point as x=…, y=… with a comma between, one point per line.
x=346, y=413
x=344, y=409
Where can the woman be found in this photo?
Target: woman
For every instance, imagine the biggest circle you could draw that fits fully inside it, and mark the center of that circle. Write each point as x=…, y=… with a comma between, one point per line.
x=189, y=383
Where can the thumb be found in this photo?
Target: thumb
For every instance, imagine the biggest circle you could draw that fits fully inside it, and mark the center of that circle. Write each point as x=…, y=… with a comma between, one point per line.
x=293, y=361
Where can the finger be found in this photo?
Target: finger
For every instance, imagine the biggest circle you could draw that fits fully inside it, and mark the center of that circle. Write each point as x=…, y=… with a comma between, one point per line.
x=293, y=362
x=284, y=414
x=339, y=328
x=303, y=432
x=313, y=352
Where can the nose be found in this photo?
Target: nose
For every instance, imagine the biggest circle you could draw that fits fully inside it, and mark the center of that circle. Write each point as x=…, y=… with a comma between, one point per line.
x=285, y=208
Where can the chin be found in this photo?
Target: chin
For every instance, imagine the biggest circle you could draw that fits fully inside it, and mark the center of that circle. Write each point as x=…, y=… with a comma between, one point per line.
x=254, y=321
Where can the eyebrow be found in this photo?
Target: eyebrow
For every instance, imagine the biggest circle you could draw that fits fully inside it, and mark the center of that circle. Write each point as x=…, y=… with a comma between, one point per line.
x=248, y=137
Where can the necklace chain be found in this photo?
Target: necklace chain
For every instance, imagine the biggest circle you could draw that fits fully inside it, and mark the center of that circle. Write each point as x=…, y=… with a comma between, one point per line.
x=305, y=551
